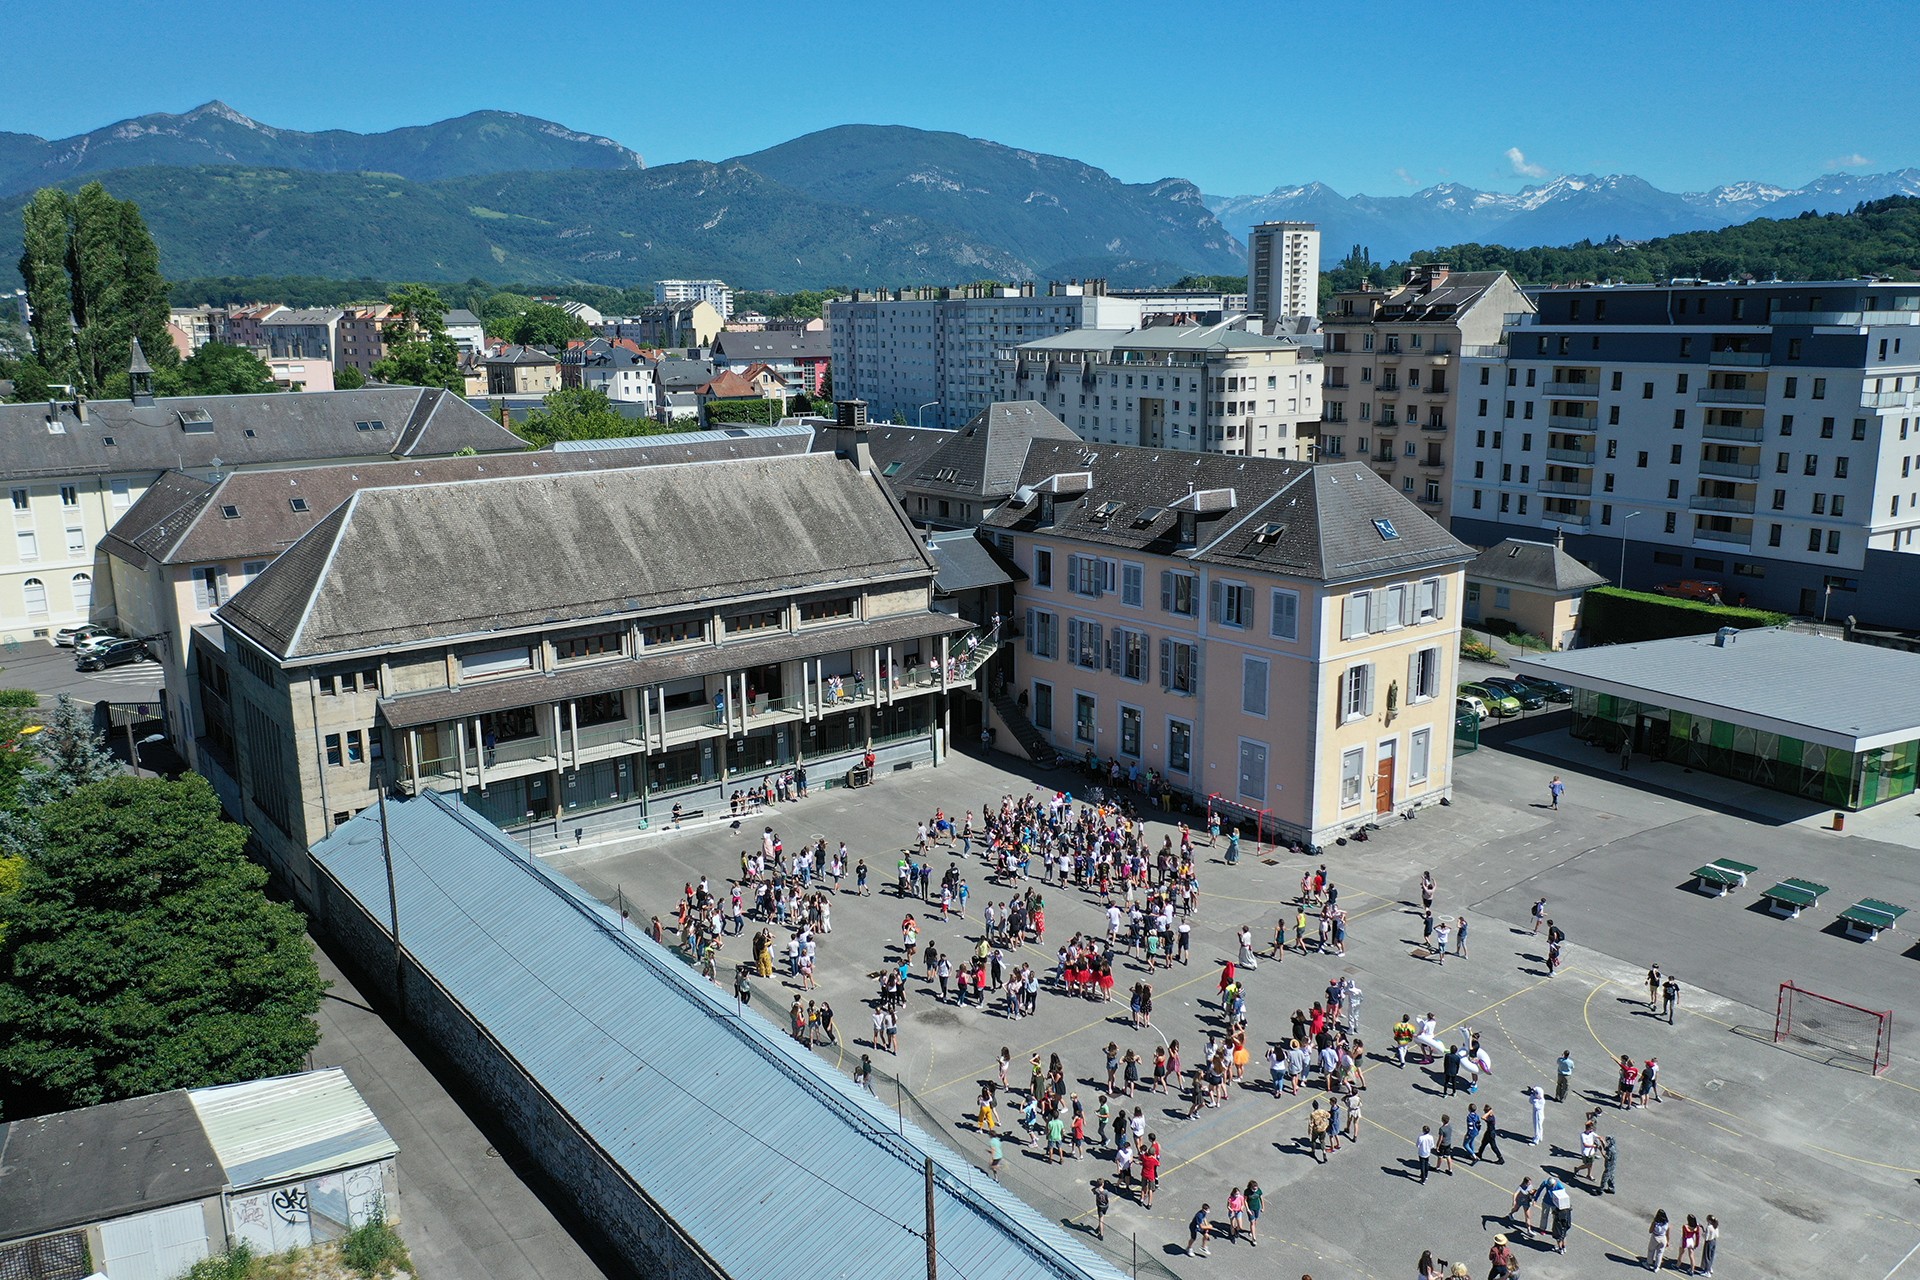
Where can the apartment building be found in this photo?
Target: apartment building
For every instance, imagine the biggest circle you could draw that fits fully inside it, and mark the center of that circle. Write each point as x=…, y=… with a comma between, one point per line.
x=1217, y=389
x=691, y=323
x=802, y=357
x=359, y=338
x=1762, y=436
x=522, y=371
x=242, y=327
x=1393, y=386
x=620, y=372
x=73, y=469
x=975, y=469
x=926, y=356
x=714, y=293
x=467, y=331
x=553, y=646
x=1278, y=636
x=1283, y=270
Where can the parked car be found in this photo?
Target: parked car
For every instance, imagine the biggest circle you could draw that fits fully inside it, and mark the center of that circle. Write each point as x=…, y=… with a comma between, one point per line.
x=1692, y=589
x=1497, y=701
x=1547, y=689
x=67, y=637
x=93, y=643
x=1467, y=704
x=117, y=654
x=1529, y=699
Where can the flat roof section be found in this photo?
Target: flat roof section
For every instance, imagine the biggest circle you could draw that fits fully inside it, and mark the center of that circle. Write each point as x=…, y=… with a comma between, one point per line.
x=1826, y=691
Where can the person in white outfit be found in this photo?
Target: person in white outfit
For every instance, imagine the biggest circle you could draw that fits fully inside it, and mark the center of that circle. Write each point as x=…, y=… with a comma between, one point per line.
x=1539, y=1101
x=1247, y=960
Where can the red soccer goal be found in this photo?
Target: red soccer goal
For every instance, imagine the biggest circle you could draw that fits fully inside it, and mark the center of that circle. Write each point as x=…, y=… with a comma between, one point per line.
x=1850, y=1034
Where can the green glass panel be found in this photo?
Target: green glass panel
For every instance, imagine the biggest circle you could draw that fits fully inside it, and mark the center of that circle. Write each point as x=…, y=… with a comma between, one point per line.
x=1790, y=750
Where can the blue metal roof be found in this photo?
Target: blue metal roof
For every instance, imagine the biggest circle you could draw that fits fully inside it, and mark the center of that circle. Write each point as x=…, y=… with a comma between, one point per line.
x=668, y=440
x=771, y=1159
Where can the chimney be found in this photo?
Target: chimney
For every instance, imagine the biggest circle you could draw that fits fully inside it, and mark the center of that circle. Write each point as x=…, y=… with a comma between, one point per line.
x=850, y=434
x=1559, y=539
x=1432, y=274
x=80, y=406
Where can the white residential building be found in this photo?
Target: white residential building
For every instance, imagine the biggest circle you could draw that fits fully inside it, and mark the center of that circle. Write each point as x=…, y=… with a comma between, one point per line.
x=715, y=293
x=1283, y=270
x=914, y=353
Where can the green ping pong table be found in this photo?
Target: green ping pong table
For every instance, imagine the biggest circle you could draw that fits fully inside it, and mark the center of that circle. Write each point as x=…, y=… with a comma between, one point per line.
x=1723, y=874
x=1789, y=896
x=1867, y=917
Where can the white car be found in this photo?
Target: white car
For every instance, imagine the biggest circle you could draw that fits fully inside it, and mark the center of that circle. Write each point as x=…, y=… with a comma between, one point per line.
x=93, y=643
x=1467, y=702
x=67, y=637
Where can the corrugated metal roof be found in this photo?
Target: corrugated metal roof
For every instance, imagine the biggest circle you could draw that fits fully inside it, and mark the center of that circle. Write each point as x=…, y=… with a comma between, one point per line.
x=767, y=1156
x=289, y=1126
x=673, y=439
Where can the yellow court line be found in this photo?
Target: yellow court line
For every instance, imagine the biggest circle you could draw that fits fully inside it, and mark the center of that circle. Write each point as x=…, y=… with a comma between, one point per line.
x=1899, y=1168
x=1724, y=1129
x=1587, y=1016
x=1236, y=1137
x=1495, y=1005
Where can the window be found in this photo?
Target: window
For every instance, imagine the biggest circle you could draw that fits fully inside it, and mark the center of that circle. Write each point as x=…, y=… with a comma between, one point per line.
x=1840, y=504
x=1179, y=593
x=1613, y=415
x=1671, y=523
x=210, y=587
x=1423, y=675
x=1613, y=448
x=122, y=492
x=1642, y=460
x=1793, y=348
x=1132, y=588
x=1791, y=391
x=676, y=632
x=69, y=495
x=297, y=504
x=1232, y=604
x=826, y=610
x=82, y=593
x=20, y=502
x=26, y=544
x=1351, y=763
x=1606, y=513
x=1671, y=558
x=1084, y=711
x=1811, y=467
x=1285, y=624
x=1476, y=499
x=333, y=749
x=1813, y=539
x=1042, y=567
x=754, y=620
x=1084, y=644
x=1356, y=613
x=1786, y=424
x=1773, y=535
x=494, y=662
x=1253, y=686
x=1043, y=634
x=1607, y=482
x=356, y=751
x=1819, y=504
x=1679, y=419
x=1043, y=706
x=1819, y=388
x=1779, y=499
x=602, y=644
x=1356, y=692
x=1673, y=490
x=1839, y=468
x=1089, y=575
x=1859, y=428
x=1130, y=654
x=1781, y=462
x=1419, y=755
x=1616, y=380
x=1833, y=542
x=1130, y=731
x=1646, y=391
x=1676, y=455
x=1179, y=747
x=76, y=542
x=1179, y=671
x=1826, y=428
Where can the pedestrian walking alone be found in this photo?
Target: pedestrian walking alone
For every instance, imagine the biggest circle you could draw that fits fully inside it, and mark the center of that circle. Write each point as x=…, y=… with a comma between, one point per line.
x=1554, y=790
x=1199, y=1231
x=1539, y=914
x=1425, y=1145
x=1563, y=1075
x=1490, y=1137
x=1539, y=1103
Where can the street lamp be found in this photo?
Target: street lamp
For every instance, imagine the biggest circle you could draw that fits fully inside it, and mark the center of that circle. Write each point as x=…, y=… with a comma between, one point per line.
x=133, y=748
x=1623, y=547
x=921, y=416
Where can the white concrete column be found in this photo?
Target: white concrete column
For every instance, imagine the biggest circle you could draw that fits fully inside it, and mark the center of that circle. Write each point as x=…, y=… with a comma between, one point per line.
x=480, y=753
x=460, y=745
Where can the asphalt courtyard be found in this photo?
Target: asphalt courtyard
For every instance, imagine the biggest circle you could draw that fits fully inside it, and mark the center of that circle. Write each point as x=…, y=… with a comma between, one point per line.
x=1811, y=1167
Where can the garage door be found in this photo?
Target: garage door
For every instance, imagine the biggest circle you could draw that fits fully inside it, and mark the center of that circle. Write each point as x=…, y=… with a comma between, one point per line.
x=154, y=1246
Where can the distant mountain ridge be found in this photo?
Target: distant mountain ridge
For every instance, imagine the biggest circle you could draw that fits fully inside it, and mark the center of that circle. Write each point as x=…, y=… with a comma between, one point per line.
x=214, y=133
x=1567, y=209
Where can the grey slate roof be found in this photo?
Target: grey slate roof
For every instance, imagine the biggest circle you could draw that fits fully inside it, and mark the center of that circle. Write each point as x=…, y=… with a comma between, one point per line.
x=97, y=1163
x=695, y=446
x=1325, y=512
x=1814, y=688
x=899, y=453
x=317, y=316
x=521, y=355
x=684, y=375
x=189, y=432
x=182, y=519
x=963, y=563
x=775, y=1164
x=1460, y=290
x=775, y=344
x=984, y=457
x=1540, y=565
x=490, y=555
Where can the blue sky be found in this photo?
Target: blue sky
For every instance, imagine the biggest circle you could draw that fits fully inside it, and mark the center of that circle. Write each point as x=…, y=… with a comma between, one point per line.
x=1239, y=98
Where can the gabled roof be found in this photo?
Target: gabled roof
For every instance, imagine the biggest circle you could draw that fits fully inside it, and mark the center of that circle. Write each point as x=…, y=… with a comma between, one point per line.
x=1330, y=521
x=983, y=458
x=316, y=315
x=689, y=1099
x=775, y=344
x=522, y=355
x=1540, y=565
x=685, y=375
x=286, y=1127
x=962, y=562
x=728, y=386
x=469, y=559
x=899, y=452
x=190, y=432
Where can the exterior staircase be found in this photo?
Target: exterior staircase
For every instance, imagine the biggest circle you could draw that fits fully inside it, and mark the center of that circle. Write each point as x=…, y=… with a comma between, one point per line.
x=1038, y=749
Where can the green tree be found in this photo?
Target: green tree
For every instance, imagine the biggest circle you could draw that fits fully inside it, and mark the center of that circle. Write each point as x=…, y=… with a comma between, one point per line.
x=217, y=369
x=348, y=378
x=43, y=265
x=118, y=295
x=580, y=413
x=141, y=954
x=541, y=325
x=70, y=753
x=1213, y=284
x=419, y=352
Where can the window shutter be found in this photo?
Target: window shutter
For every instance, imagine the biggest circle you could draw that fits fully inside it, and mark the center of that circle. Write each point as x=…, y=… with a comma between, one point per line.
x=1352, y=610
x=1093, y=642
x=1253, y=687
x=1214, y=607
x=200, y=593
x=1166, y=591
x=1166, y=664
x=1439, y=597
x=222, y=590
x=1114, y=646
x=1029, y=631
x=1413, y=675
x=1073, y=641
x=1286, y=616
x=1407, y=613
x=1073, y=574
x=1098, y=568
x=1053, y=636
x=1366, y=689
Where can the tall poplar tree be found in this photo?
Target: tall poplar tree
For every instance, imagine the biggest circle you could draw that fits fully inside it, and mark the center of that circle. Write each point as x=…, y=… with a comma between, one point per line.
x=43, y=265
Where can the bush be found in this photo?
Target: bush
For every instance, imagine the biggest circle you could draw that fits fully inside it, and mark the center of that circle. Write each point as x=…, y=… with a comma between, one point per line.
x=235, y=1264
x=1476, y=650
x=19, y=698
x=374, y=1247
x=1610, y=615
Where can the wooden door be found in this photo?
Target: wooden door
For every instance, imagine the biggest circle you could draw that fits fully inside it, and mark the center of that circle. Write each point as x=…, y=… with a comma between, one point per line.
x=1383, y=784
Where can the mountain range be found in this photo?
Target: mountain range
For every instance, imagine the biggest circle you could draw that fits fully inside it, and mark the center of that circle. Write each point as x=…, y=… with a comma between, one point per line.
x=1566, y=210
x=505, y=196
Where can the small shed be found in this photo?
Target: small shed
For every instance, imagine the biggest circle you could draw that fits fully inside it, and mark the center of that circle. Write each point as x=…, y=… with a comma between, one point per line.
x=1531, y=586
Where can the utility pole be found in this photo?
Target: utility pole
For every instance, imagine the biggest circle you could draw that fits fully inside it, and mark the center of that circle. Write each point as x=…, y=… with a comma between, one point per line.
x=393, y=904
x=932, y=1265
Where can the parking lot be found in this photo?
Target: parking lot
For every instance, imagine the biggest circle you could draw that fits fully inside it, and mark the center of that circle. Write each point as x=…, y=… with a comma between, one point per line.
x=49, y=671
x=1807, y=1165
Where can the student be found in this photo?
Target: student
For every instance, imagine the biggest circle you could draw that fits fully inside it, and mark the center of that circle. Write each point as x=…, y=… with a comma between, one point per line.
x=1657, y=1232
x=1424, y=1145
x=1199, y=1231
x=1102, y=1200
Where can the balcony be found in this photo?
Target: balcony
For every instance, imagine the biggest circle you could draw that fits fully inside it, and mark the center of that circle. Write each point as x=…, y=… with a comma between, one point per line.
x=1433, y=464
x=1425, y=501
x=1584, y=457
x=1886, y=399
x=1572, y=390
x=1738, y=470
x=1739, y=506
x=1483, y=351
x=1433, y=426
x=1561, y=422
x=1844, y=317
x=1553, y=518
x=1729, y=395
x=1720, y=431
x=1749, y=358
x=1573, y=488
x=1732, y=536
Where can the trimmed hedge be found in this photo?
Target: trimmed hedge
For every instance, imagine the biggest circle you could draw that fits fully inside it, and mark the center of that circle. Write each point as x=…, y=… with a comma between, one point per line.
x=19, y=698
x=1609, y=615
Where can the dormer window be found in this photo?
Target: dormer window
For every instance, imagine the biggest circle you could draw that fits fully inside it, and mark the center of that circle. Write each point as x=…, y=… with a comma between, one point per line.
x=1189, y=526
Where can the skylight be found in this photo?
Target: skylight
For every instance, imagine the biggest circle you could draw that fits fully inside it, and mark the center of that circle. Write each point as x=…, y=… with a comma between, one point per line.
x=1385, y=529
x=229, y=512
x=298, y=504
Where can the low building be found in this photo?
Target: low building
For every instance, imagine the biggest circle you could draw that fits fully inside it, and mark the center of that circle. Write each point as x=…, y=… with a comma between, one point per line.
x=522, y=371
x=1813, y=716
x=305, y=373
x=619, y=372
x=296, y=335
x=551, y=646
x=1276, y=639
x=467, y=331
x=1533, y=587
x=670, y=324
x=146, y=1187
